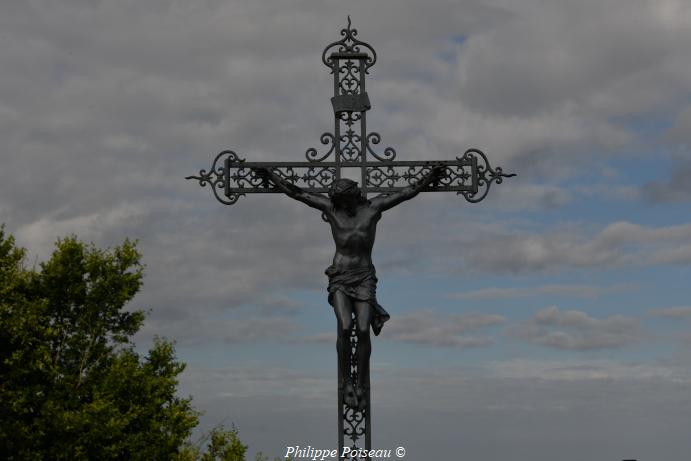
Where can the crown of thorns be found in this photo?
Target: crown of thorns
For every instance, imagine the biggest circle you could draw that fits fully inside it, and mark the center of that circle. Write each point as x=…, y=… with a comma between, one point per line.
x=342, y=186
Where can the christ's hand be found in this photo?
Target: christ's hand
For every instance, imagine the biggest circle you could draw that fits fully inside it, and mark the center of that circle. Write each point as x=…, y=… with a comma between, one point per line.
x=439, y=171
x=262, y=173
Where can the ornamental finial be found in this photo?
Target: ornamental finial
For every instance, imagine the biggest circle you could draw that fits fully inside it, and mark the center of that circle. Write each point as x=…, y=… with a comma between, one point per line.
x=349, y=47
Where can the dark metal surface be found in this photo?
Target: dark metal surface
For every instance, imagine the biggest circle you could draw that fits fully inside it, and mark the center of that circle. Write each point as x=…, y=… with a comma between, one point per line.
x=353, y=221
x=353, y=423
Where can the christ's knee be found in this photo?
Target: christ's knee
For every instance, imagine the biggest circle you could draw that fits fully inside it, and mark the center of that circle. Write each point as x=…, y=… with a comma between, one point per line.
x=344, y=329
x=343, y=336
x=363, y=333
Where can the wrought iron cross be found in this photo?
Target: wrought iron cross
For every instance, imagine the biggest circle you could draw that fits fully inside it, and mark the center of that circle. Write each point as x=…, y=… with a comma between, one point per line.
x=351, y=146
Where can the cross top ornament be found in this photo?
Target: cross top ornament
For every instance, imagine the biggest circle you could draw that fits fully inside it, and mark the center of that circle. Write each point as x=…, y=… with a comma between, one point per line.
x=323, y=182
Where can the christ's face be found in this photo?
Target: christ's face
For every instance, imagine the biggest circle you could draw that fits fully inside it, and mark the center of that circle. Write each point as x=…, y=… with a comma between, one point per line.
x=345, y=193
x=349, y=198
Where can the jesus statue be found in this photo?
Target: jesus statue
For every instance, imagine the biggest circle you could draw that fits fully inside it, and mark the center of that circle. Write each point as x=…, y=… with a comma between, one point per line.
x=352, y=280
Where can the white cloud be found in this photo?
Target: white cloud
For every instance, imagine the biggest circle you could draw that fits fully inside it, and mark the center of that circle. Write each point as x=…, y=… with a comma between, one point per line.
x=617, y=244
x=95, y=226
x=580, y=291
x=430, y=328
x=672, y=312
x=196, y=329
x=576, y=330
x=584, y=370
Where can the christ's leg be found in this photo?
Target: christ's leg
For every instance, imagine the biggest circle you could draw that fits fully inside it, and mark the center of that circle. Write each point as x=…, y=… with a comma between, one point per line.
x=343, y=308
x=364, y=349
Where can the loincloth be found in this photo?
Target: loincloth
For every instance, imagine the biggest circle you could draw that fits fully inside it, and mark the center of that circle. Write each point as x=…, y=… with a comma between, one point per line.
x=361, y=285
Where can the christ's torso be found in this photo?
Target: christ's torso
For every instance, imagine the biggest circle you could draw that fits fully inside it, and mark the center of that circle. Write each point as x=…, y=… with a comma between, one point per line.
x=353, y=236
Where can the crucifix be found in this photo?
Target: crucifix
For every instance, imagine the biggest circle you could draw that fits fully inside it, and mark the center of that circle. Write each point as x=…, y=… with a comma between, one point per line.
x=345, y=205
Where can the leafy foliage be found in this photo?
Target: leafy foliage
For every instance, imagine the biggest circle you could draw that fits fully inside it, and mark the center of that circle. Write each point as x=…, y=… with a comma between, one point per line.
x=71, y=385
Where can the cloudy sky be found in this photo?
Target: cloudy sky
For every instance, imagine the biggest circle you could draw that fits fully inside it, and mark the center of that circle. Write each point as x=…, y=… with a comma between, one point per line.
x=550, y=321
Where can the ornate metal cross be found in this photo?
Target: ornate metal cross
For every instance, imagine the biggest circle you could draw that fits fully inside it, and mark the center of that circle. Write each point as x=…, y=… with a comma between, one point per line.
x=351, y=146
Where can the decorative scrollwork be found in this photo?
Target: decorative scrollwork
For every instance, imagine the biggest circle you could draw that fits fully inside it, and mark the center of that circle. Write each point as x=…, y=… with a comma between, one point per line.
x=311, y=153
x=382, y=177
x=350, y=146
x=319, y=177
x=217, y=178
x=313, y=177
x=457, y=176
x=349, y=44
x=355, y=419
x=454, y=176
x=349, y=117
x=413, y=174
x=356, y=423
x=349, y=79
x=486, y=175
x=231, y=177
x=375, y=138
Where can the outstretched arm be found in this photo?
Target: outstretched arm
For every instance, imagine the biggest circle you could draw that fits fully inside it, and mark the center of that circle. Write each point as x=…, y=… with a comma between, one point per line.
x=314, y=200
x=384, y=202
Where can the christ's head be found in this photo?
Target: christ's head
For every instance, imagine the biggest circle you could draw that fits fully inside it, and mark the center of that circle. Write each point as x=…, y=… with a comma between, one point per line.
x=345, y=193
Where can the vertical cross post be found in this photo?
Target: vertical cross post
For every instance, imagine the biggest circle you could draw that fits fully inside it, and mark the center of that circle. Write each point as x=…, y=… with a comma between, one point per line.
x=349, y=65
x=353, y=423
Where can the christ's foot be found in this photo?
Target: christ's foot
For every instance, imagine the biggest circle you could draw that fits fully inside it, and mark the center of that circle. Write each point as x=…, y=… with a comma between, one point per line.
x=349, y=396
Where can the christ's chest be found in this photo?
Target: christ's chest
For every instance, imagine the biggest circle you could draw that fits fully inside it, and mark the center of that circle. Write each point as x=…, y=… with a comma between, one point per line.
x=360, y=227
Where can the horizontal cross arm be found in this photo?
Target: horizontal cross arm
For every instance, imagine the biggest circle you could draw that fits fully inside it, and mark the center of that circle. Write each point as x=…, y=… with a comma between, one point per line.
x=231, y=176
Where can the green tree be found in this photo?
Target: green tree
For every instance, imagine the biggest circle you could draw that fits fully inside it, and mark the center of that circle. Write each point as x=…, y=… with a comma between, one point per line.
x=71, y=385
x=222, y=445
